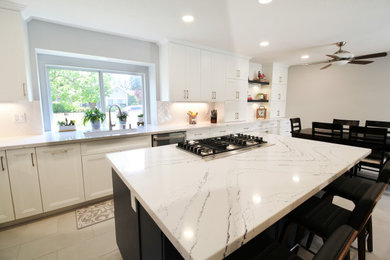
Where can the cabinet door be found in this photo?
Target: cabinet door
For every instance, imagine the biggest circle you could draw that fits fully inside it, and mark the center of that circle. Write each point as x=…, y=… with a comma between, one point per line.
x=193, y=74
x=23, y=174
x=6, y=206
x=177, y=72
x=97, y=176
x=213, y=76
x=235, y=111
x=278, y=109
x=60, y=174
x=237, y=68
x=236, y=90
x=279, y=92
x=184, y=73
x=12, y=61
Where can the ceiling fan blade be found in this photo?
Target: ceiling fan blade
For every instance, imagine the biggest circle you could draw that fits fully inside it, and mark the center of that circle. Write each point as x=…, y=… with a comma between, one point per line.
x=333, y=56
x=325, y=67
x=361, y=62
x=370, y=56
x=318, y=62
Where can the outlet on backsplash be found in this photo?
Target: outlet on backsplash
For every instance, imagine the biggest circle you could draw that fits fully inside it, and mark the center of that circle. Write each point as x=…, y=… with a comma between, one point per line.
x=20, y=118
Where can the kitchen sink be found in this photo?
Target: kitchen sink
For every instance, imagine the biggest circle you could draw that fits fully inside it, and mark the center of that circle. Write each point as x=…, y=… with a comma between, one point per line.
x=101, y=133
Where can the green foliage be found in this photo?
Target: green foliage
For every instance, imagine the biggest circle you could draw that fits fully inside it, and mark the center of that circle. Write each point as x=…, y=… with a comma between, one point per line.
x=93, y=116
x=123, y=116
x=132, y=100
x=66, y=122
x=73, y=90
x=141, y=115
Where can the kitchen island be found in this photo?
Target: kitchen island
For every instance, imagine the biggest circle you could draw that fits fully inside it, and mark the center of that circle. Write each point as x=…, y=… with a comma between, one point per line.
x=171, y=204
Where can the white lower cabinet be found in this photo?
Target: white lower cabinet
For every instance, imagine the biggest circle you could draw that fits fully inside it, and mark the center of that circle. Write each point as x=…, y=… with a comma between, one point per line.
x=97, y=168
x=23, y=173
x=61, y=177
x=97, y=176
x=6, y=207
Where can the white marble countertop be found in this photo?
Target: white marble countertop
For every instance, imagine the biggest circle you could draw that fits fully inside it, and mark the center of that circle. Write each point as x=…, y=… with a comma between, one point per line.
x=209, y=208
x=54, y=138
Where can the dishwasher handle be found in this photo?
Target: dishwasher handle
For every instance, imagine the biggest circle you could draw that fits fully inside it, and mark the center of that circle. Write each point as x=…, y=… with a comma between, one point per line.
x=164, y=138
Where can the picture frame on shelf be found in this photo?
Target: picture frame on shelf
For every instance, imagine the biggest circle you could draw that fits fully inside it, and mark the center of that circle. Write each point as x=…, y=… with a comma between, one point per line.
x=261, y=113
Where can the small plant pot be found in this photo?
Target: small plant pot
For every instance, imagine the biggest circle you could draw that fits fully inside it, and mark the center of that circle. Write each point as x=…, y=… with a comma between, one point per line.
x=122, y=122
x=95, y=125
x=140, y=119
x=67, y=128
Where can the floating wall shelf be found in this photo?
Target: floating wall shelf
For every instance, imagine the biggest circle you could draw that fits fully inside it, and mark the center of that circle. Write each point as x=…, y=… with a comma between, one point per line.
x=258, y=82
x=258, y=100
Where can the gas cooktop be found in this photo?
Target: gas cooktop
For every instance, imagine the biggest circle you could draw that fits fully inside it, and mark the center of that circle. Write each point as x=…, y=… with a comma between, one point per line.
x=222, y=144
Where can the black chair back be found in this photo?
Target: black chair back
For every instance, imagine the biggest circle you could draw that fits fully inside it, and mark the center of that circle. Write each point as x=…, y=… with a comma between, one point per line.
x=379, y=124
x=363, y=209
x=327, y=131
x=384, y=174
x=369, y=137
x=295, y=124
x=346, y=123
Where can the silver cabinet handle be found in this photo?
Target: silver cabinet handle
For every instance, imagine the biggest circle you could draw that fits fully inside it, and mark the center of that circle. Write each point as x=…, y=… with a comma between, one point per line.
x=185, y=94
x=59, y=151
x=32, y=159
x=24, y=89
x=280, y=79
x=237, y=94
x=279, y=96
x=188, y=93
x=238, y=115
x=278, y=113
x=2, y=163
x=238, y=73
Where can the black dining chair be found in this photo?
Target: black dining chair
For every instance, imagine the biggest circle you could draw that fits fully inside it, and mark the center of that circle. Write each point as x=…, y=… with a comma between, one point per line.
x=353, y=189
x=346, y=123
x=295, y=124
x=373, y=138
x=265, y=248
x=327, y=132
x=322, y=218
x=381, y=124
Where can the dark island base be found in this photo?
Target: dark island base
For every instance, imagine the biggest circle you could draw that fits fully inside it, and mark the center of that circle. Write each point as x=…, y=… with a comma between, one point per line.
x=139, y=237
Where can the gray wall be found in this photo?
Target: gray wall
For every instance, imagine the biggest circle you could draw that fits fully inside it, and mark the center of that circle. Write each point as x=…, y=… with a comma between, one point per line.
x=346, y=92
x=49, y=36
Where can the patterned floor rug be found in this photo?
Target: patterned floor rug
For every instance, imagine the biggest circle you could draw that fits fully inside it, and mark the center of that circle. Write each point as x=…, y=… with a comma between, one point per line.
x=93, y=214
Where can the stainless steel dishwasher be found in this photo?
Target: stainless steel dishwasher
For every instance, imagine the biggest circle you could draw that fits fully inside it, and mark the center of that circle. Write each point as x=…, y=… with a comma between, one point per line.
x=169, y=138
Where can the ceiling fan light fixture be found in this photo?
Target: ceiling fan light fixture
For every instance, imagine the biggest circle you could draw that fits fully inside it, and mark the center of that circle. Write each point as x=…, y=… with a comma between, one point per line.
x=340, y=62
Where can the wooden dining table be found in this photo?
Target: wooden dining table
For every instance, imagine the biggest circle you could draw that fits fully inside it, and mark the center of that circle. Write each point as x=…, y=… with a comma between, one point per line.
x=306, y=133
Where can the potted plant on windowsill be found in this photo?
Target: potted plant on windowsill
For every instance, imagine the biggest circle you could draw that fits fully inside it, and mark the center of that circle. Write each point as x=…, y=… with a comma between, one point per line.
x=65, y=126
x=140, y=119
x=95, y=116
x=122, y=117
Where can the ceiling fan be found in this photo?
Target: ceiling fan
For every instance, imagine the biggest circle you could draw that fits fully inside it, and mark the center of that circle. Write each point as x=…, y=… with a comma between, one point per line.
x=342, y=57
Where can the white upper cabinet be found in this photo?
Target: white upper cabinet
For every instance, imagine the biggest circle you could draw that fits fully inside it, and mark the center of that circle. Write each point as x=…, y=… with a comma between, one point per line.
x=238, y=68
x=61, y=177
x=236, y=90
x=23, y=173
x=235, y=111
x=199, y=74
x=13, y=85
x=180, y=73
x=6, y=206
x=213, y=76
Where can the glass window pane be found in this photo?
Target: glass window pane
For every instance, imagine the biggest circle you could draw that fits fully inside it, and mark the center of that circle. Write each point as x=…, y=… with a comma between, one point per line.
x=126, y=91
x=72, y=92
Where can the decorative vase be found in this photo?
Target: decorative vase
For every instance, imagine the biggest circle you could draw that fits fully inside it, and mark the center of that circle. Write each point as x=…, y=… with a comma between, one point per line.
x=95, y=125
x=122, y=122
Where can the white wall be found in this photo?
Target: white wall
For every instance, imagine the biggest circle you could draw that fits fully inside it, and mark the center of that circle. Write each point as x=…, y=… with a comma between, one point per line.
x=360, y=92
x=30, y=110
x=49, y=36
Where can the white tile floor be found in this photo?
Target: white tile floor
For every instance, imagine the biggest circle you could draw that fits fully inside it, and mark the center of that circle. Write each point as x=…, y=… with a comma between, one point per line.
x=58, y=238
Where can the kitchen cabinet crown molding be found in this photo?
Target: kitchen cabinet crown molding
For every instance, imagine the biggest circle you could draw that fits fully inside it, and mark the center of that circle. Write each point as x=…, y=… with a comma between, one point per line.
x=11, y=6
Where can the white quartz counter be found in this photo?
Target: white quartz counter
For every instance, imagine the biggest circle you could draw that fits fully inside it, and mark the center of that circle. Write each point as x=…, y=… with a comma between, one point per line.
x=209, y=208
x=50, y=138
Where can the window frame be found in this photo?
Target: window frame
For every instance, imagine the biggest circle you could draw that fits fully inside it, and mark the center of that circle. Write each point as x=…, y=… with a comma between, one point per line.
x=46, y=62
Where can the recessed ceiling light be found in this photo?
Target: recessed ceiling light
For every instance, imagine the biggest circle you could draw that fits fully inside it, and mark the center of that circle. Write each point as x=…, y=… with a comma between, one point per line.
x=187, y=18
x=304, y=57
x=264, y=44
x=264, y=2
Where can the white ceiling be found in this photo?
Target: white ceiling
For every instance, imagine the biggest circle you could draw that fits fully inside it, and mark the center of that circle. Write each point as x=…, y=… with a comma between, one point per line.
x=293, y=27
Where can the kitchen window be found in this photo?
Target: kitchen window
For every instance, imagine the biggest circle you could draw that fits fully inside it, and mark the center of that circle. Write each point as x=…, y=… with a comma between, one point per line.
x=71, y=90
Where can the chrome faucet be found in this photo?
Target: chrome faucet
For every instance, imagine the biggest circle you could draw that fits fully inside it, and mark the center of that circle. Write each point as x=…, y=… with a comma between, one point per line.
x=110, y=124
